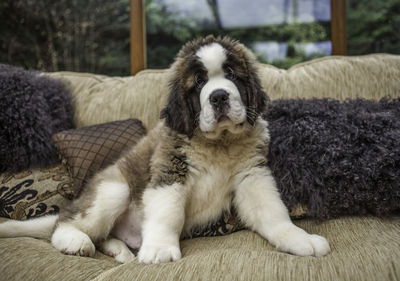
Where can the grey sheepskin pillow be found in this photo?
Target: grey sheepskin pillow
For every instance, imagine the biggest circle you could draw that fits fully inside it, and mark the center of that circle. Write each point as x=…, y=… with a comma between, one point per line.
x=33, y=107
x=336, y=158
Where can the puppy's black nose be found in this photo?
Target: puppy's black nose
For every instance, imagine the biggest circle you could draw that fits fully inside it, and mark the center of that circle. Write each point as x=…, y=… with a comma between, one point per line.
x=219, y=98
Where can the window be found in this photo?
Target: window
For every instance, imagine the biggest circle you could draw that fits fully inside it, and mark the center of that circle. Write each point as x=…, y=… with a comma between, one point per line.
x=74, y=35
x=280, y=32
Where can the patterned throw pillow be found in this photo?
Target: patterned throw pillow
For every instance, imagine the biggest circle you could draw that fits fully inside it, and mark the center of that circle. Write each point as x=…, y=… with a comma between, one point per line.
x=33, y=193
x=88, y=150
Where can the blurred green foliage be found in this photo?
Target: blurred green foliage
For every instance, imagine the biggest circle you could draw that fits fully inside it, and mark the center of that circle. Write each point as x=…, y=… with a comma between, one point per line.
x=93, y=35
x=74, y=35
x=373, y=26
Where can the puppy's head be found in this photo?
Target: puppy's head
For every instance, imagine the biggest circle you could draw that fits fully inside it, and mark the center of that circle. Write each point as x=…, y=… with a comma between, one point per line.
x=214, y=88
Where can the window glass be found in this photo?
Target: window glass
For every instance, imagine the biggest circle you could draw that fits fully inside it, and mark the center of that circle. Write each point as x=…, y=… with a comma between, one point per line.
x=280, y=32
x=74, y=35
x=373, y=26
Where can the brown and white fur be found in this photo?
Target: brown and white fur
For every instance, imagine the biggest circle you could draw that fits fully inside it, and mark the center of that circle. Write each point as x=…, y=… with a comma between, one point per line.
x=209, y=152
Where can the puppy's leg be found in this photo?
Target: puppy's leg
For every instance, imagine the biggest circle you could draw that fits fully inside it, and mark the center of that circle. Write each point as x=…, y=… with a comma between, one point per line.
x=117, y=249
x=259, y=205
x=104, y=200
x=163, y=221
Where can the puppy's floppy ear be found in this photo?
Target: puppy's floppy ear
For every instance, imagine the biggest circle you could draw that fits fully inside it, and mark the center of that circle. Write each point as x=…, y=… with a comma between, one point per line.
x=178, y=113
x=257, y=98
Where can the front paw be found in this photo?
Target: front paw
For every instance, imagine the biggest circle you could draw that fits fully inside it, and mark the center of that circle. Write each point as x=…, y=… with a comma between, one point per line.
x=72, y=241
x=158, y=253
x=306, y=245
x=117, y=249
x=296, y=241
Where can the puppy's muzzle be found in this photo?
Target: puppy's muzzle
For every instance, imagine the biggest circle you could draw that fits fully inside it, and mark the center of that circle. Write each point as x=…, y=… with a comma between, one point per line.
x=219, y=100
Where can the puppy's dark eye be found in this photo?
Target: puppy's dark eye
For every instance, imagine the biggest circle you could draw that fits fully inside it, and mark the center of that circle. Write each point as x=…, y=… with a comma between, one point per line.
x=199, y=81
x=231, y=74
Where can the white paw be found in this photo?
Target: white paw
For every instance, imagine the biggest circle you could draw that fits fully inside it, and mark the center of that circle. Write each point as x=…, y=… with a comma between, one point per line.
x=306, y=245
x=124, y=256
x=117, y=249
x=158, y=253
x=71, y=241
x=296, y=241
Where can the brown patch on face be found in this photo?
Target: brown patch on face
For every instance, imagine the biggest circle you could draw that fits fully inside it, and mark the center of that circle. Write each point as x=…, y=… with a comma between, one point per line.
x=183, y=104
x=178, y=67
x=189, y=82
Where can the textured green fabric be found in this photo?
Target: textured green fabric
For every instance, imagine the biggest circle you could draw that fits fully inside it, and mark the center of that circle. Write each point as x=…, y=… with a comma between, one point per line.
x=363, y=248
x=99, y=99
x=26, y=259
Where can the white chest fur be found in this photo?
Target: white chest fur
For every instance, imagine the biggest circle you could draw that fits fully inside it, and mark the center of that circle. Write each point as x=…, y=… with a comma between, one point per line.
x=214, y=171
x=210, y=194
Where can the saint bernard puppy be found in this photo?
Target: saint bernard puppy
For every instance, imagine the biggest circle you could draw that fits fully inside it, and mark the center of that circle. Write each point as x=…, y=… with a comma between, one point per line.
x=208, y=152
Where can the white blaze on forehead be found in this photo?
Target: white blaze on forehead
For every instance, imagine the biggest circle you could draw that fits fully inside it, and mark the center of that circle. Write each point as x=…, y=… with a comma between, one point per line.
x=212, y=56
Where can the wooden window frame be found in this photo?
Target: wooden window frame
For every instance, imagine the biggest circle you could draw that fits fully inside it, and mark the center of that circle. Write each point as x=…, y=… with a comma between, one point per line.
x=338, y=27
x=138, y=35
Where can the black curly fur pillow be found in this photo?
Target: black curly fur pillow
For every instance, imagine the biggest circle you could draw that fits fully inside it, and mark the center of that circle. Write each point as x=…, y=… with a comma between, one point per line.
x=336, y=158
x=32, y=108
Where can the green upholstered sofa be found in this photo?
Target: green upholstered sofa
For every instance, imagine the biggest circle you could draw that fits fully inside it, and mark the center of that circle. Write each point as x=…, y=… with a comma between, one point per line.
x=363, y=248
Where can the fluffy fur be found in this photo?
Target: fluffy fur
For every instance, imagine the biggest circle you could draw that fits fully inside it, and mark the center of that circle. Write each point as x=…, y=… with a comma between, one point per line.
x=210, y=151
x=336, y=158
x=32, y=108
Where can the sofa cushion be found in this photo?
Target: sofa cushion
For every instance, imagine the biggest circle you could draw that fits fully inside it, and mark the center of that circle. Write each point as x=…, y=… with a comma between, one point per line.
x=33, y=259
x=33, y=193
x=100, y=99
x=336, y=158
x=363, y=249
x=88, y=150
x=32, y=108
x=372, y=76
